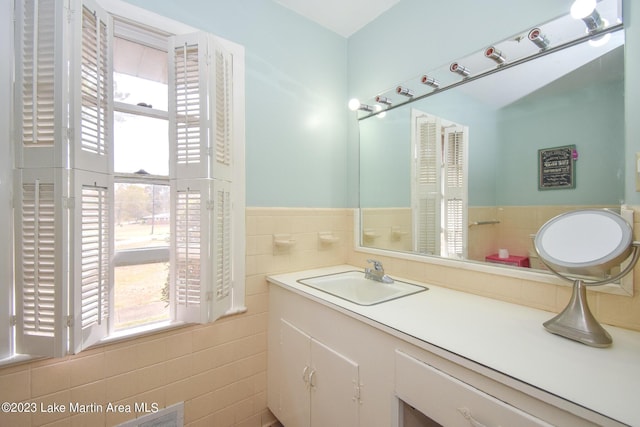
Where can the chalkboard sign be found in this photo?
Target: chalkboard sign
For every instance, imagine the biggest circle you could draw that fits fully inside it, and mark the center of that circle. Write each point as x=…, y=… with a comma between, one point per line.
x=556, y=168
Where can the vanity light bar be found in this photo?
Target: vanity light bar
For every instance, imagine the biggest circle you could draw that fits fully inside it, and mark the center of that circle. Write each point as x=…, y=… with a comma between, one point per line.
x=459, y=69
x=430, y=81
x=495, y=54
x=405, y=91
x=539, y=39
x=383, y=100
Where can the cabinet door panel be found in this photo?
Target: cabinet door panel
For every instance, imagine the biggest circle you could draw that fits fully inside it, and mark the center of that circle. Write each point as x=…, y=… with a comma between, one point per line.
x=334, y=388
x=294, y=390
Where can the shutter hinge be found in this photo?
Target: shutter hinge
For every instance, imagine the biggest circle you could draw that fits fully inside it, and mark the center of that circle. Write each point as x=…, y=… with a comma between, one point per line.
x=210, y=204
x=69, y=202
x=69, y=12
x=209, y=296
x=357, y=389
x=13, y=320
x=69, y=321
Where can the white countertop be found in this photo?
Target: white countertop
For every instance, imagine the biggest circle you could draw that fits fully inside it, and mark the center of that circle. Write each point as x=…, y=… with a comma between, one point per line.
x=506, y=338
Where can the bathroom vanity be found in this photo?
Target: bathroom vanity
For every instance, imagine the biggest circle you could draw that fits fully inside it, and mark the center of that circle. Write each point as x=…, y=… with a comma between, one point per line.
x=437, y=357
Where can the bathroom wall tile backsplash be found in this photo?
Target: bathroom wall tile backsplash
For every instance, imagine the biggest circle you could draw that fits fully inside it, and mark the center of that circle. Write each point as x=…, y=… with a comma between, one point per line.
x=219, y=370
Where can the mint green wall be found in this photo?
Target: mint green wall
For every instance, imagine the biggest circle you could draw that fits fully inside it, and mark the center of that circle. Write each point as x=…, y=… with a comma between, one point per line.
x=590, y=118
x=296, y=84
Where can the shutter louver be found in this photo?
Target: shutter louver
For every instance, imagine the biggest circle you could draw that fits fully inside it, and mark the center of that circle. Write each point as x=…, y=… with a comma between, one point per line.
x=188, y=107
x=38, y=39
x=221, y=169
x=188, y=251
x=94, y=76
x=222, y=248
x=191, y=255
x=38, y=259
x=94, y=255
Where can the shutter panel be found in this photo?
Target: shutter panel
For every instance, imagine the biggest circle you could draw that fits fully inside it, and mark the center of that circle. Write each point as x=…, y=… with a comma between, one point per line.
x=40, y=87
x=455, y=190
x=41, y=220
x=427, y=213
x=92, y=268
x=191, y=252
x=40, y=260
x=222, y=248
x=189, y=76
x=92, y=103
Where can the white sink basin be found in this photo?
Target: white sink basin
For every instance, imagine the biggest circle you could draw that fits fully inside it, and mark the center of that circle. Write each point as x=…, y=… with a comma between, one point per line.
x=352, y=286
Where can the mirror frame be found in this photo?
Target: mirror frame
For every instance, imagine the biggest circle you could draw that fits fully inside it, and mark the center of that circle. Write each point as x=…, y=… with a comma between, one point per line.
x=624, y=287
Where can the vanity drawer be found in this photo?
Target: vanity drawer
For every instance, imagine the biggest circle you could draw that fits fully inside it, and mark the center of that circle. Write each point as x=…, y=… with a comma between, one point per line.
x=451, y=402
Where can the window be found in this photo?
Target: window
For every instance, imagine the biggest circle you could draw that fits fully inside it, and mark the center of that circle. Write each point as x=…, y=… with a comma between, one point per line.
x=142, y=199
x=129, y=175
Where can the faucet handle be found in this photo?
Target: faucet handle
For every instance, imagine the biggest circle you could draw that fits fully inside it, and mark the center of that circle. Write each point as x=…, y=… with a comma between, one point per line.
x=377, y=265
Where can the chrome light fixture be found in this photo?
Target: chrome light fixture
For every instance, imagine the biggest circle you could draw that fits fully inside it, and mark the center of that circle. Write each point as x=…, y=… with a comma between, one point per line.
x=430, y=81
x=539, y=39
x=355, y=105
x=493, y=53
x=459, y=69
x=586, y=10
x=401, y=90
x=383, y=100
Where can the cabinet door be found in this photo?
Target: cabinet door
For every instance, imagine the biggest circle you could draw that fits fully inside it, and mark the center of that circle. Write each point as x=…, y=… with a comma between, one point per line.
x=295, y=348
x=335, y=388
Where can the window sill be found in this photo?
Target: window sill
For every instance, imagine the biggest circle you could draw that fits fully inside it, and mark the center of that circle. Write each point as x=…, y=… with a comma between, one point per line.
x=121, y=336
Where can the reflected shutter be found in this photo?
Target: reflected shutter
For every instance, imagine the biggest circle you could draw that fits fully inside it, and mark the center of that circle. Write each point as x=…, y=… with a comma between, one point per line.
x=455, y=190
x=427, y=211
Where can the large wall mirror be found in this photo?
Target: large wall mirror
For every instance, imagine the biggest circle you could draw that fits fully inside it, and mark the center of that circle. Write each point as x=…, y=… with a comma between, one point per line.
x=469, y=167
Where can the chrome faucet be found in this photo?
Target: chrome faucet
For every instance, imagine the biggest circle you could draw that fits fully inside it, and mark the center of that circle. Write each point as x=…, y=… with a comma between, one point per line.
x=377, y=273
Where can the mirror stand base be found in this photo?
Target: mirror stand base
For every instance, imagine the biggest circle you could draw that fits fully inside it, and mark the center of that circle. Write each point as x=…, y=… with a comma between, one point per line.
x=576, y=321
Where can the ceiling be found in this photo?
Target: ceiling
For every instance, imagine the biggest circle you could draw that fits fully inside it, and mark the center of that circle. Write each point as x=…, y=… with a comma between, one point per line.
x=343, y=17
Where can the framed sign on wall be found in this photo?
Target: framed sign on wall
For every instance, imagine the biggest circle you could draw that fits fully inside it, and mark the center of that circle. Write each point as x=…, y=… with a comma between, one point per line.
x=556, y=168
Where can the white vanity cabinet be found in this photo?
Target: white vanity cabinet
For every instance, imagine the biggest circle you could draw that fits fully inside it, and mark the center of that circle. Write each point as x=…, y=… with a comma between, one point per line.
x=332, y=363
x=315, y=385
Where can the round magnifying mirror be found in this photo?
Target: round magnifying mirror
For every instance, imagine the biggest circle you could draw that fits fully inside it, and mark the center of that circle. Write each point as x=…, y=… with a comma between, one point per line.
x=584, y=242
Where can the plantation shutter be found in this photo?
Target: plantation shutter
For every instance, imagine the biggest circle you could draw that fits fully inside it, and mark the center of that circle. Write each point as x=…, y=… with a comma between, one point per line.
x=200, y=124
x=455, y=190
x=427, y=193
x=91, y=109
x=41, y=220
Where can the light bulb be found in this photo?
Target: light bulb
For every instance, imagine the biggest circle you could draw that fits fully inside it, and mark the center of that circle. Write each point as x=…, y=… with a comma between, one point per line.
x=582, y=8
x=354, y=104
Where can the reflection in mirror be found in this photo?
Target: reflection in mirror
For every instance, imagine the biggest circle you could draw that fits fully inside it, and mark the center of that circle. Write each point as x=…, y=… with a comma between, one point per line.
x=458, y=173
